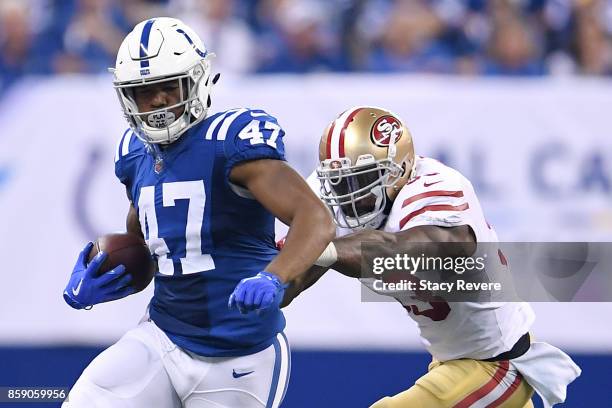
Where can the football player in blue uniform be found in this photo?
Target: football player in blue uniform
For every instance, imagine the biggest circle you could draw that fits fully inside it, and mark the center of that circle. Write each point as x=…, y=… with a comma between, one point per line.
x=204, y=192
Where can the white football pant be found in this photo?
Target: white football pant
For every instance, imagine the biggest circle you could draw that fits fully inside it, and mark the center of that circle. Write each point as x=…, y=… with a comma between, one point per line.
x=145, y=369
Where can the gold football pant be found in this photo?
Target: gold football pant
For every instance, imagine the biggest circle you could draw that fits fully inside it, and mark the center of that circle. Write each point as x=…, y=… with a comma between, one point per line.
x=462, y=384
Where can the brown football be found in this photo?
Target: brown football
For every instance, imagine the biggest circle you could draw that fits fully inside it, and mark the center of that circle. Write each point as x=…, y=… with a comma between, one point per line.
x=129, y=250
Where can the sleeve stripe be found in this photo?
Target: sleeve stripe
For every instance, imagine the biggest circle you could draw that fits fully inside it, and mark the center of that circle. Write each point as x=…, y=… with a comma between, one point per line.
x=438, y=207
x=227, y=122
x=435, y=193
x=215, y=123
x=118, y=149
x=413, y=180
x=125, y=149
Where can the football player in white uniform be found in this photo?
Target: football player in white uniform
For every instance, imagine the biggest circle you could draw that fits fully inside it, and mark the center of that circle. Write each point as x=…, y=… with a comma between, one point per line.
x=380, y=192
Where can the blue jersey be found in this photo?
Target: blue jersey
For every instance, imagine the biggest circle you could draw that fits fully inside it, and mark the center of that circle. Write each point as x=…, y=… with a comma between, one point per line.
x=205, y=232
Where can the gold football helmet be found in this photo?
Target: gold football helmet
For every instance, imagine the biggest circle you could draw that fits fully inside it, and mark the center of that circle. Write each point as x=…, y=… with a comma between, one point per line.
x=366, y=156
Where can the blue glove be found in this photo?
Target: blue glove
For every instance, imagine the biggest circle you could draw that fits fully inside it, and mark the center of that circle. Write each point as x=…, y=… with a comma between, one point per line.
x=256, y=293
x=86, y=288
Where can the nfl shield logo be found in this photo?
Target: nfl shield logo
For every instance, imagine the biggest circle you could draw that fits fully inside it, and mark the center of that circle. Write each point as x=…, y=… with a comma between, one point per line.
x=159, y=166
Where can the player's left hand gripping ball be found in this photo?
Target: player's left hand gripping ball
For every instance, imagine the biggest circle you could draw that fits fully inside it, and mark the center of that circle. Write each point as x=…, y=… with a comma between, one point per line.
x=257, y=293
x=85, y=288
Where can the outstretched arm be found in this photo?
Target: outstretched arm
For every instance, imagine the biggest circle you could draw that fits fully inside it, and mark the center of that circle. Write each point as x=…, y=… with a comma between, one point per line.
x=300, y=284
x=414, y=240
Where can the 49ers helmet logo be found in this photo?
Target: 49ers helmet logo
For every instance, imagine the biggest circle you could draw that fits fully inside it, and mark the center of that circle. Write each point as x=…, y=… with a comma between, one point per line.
x=384, y=129
x=335, y=164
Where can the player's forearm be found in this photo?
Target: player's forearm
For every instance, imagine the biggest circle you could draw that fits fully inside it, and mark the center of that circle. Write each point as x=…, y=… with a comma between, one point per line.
x=303, y=282
x=311, y=230
x=348, y=249
x=455, y=241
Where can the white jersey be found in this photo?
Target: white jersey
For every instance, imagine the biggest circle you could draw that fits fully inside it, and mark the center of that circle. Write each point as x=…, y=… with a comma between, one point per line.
x=440, y=195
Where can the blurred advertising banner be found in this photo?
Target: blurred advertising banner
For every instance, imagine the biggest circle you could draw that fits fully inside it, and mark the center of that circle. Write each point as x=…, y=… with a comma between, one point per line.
x=538, y=152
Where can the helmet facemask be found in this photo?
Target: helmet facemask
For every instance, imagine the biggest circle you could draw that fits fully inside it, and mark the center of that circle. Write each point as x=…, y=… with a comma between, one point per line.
x=356, y=194
x=161, y=126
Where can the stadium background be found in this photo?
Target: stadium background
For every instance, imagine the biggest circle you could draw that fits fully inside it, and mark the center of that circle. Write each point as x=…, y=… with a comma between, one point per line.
x=516, y=94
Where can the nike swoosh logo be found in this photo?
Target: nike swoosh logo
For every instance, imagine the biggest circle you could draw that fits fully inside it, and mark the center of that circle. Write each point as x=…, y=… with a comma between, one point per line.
x=75, y=291
x=238, y=375
x=431, y=184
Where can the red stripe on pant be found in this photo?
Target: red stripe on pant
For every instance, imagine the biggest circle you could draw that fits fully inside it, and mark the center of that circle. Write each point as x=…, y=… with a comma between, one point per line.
x=487, y=388
x=515, y=384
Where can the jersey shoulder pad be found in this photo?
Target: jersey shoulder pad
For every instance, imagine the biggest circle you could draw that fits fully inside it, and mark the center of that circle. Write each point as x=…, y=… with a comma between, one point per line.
x=128, y=147
x=431, y=172
x=248, y=134
x=437, y=195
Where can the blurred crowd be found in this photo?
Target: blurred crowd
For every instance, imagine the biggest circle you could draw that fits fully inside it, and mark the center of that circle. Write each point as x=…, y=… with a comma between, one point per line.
x=465, y=37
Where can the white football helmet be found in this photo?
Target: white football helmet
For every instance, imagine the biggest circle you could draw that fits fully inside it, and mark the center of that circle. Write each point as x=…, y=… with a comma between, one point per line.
x=159, y=50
